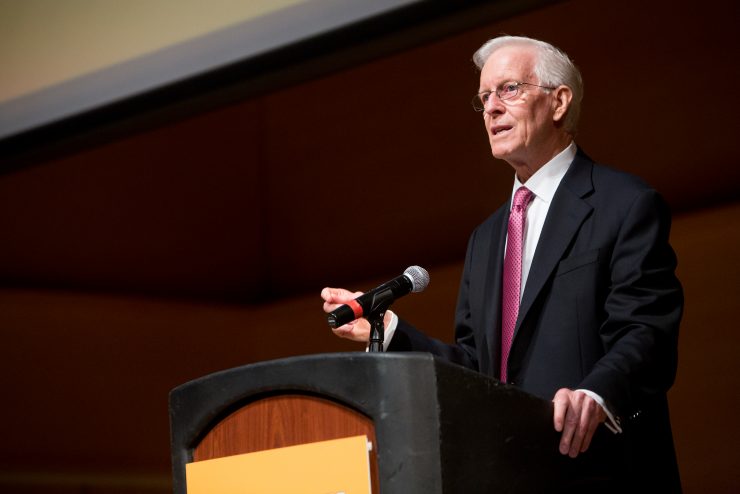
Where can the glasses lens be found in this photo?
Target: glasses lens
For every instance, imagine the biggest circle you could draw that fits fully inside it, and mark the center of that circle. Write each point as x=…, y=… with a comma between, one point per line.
x=479, y=101
x=508, y=90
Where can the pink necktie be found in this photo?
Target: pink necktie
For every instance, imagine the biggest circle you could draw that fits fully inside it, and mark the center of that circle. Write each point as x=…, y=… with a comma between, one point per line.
x=513, y=273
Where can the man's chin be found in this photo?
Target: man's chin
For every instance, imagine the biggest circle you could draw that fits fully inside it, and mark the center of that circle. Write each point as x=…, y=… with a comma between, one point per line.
x=500, y=154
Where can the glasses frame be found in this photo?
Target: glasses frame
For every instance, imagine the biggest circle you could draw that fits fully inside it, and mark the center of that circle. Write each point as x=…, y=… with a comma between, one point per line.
x=479, y=104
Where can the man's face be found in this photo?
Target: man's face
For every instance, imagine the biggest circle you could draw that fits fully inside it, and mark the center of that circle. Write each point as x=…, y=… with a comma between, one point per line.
x=520, y=130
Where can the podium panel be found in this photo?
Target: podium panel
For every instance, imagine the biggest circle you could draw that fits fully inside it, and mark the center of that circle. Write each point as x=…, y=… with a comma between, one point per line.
x=280, y=421
x=285, y=420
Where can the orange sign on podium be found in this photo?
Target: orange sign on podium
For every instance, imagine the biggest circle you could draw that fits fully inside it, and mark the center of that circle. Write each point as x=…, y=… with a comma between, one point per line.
x=326, y=467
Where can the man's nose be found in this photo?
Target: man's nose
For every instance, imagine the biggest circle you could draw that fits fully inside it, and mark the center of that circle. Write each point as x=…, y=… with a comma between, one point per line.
x=493, y=104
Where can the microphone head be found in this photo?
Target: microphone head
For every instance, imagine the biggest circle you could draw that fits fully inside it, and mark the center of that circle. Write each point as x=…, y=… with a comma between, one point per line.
x=419, y=278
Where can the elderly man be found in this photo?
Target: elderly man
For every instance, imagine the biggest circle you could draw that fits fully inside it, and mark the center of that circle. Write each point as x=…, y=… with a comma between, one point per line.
x=568, y=290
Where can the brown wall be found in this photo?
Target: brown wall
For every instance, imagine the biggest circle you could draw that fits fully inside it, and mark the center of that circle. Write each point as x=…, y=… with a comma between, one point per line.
x=139, y=264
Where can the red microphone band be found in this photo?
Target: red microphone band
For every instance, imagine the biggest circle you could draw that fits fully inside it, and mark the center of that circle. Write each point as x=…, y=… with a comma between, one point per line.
x=356, y=308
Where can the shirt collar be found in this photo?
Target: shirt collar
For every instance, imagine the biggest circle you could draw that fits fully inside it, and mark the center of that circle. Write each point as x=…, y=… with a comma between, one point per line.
x=545, y=181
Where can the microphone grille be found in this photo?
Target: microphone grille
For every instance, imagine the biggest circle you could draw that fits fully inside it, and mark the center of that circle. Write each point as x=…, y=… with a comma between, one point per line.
x=419, y=278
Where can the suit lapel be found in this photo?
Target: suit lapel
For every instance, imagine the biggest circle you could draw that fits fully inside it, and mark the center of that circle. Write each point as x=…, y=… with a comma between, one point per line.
x=564, y=218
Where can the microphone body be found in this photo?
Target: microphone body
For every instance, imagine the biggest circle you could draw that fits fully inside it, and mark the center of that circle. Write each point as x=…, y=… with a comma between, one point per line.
x=414, y=279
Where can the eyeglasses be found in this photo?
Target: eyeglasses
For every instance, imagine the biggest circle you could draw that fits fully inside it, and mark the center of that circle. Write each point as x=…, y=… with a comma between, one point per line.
x=505, y=91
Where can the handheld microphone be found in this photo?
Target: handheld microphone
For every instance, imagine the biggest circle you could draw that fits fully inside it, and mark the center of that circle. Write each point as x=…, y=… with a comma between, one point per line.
x=414, y=279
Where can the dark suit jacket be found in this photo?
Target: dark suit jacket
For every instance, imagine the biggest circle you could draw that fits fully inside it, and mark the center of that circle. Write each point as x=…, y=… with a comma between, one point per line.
x=600, y=311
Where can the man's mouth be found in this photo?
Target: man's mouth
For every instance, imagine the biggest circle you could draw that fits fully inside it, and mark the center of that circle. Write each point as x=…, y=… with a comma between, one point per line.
x=500, y=129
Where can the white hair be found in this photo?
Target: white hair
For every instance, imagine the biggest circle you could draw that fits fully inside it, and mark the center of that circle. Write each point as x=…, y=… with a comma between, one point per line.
x=552, y=68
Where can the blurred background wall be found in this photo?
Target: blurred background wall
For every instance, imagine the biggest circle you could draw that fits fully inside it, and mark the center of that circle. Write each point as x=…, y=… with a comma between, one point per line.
x=161, y=248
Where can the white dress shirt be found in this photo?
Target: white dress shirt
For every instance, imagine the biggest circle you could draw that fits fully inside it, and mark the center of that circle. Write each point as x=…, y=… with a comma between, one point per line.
x=543, y=185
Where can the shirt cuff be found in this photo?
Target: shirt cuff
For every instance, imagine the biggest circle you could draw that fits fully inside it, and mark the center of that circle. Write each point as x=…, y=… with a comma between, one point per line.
x=612, y=422
x=390, y=331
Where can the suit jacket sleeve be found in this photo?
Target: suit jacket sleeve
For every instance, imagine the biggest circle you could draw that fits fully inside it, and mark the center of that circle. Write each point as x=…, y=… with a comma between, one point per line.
x=642, y=309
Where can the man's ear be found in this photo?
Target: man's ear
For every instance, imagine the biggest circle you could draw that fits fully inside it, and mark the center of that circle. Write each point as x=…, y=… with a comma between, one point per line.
x=561, y=102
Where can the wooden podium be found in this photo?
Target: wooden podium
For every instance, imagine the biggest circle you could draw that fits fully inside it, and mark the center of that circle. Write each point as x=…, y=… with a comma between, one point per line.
x=435, y=427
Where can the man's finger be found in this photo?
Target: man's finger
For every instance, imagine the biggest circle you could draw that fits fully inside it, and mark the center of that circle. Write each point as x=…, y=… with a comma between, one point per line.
x=598, y=416
x=346, y=331
x=328, y=306
x=581, y=432
x=338, y=295
x=333, y=294
x=589, y=435
x=561, y=406
x=569, y=428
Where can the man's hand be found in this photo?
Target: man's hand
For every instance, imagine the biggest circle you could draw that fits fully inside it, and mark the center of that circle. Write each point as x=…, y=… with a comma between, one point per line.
x=358, y=330
x=577, y=415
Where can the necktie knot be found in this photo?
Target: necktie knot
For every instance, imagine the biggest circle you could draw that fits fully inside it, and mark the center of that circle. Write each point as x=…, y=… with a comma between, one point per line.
x=522, y=197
